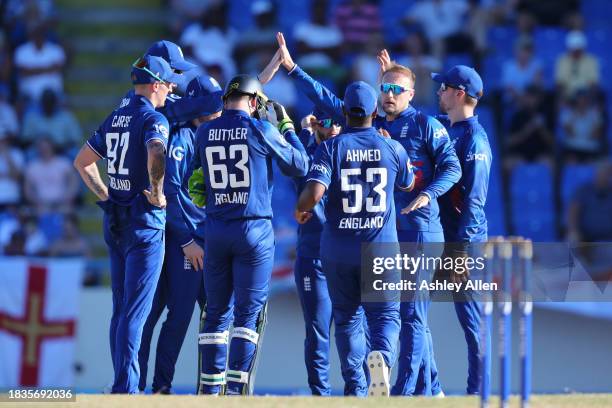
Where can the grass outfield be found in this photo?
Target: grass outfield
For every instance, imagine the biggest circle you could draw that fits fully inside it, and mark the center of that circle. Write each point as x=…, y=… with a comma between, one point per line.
x=188, y=401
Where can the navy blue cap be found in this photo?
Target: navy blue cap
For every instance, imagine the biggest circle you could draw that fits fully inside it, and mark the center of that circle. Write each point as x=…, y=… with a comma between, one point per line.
x=462, y=77
x=360, y=99
x=320, y=114
x=172, y=53
x=207, y=94
x=149, y=69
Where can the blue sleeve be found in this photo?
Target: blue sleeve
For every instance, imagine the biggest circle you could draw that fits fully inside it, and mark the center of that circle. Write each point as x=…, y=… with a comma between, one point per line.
x=448, y=168
x=286, y=149
x=306, y=138
x=476, y=169
x=405, y=175
x=178, y=110
x=97, y=144
x=156, y=128
x=176, y=168
x=321, y=168
x=318, y=94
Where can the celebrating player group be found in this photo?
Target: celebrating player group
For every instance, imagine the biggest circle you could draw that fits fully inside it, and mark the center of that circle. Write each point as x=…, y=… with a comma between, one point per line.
x=188, y=219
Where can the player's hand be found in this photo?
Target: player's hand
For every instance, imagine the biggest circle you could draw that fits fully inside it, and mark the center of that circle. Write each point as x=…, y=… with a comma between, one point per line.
x=284, y=121
x=195, y=254
x=458, y=251
x=308, y=121
x=384, y=133
x=302, y=217
x=268, y=72
x=420, y=201
x=384, y=60
x=156, y=199
x=197, y=188
x=285, y=56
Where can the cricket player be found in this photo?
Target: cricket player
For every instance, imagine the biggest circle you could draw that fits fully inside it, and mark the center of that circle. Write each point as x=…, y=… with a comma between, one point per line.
x=436, y=169
x=462, y=208
x=177, y=110
x=181, y=283
x=310, y=280
x=359, y=170
x=235, y=152
x=133, y=141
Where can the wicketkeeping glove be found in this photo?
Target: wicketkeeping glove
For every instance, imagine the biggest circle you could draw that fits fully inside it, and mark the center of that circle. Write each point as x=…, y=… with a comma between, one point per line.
x=197, y=188
x=284, y=121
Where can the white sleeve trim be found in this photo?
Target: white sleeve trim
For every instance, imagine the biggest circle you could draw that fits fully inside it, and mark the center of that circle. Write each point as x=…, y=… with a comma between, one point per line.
x=190, y=241
x=95, y=151
x=318, y=181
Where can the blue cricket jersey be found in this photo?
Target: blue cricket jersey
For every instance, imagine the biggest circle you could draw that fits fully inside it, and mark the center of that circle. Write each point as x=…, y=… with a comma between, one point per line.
x=360, y=170
x=236, y=152
x=462, y=208
x=435, y=164
x=183, y=216
x=122, y=140
x=309, y=234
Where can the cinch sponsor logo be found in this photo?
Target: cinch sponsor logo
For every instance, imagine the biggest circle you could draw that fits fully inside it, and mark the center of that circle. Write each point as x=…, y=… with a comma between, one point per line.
x=476, y=156
x=438, y=133
x=318, y=167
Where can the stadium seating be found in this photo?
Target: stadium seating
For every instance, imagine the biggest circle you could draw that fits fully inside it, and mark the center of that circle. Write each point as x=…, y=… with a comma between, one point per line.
x=573, y=176
x=532, y=202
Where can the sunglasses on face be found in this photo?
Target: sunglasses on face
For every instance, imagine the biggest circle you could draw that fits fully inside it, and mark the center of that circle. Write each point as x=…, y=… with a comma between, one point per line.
x=327, y=123
x=396, y=89
x=141, y=63
x=444, y=86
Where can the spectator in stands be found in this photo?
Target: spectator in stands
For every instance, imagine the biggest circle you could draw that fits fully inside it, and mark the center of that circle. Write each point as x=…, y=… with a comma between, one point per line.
x=576, y=69
x=366, y=66
x=444, y=25
x=522, y=71
x=525, y=23
x=549, y=12
x=318, y=41
x=262, y=37
x=11, y=172
x=27, y=240
x=358, y=20
x=582, y=122
x=50, y=181
x=5, y=62
x=9, y=223
x=9, y=123
x=590, y=213
x=53, y=120
x=529, y=139
x=70, y=243
x=418, y=58
x=39, y=65
x=211, y=41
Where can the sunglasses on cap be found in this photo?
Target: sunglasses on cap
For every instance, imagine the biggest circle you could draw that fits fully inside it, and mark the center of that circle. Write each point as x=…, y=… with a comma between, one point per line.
x=444, y=86
x=396, y=89
x=141, y=64
x=327, y=123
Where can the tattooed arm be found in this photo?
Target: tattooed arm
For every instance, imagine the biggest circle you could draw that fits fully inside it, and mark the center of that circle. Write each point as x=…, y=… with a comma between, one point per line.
x=85, y=163
x=156, y=163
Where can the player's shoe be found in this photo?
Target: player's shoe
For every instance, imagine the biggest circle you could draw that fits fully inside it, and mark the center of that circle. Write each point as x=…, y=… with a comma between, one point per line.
x=439, y=395
x=379, y=375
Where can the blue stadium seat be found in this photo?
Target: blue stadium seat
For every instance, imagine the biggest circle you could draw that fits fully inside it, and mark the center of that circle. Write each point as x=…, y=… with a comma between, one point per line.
x=573, y=176
x=501, y=39
x=599, y=41
x=596, y=12
x=532, y=202
x=391, y=12
x=494, y=207
x=486, y=119
x=239, y=14
x=492, y=66
x=549, y=44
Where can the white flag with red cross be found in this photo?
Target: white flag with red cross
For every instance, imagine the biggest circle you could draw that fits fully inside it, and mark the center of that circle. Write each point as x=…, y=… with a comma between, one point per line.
x=38, y=312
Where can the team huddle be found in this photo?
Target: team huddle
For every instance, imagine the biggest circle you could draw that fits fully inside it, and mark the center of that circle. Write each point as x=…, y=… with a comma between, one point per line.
x=188, y=218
